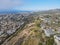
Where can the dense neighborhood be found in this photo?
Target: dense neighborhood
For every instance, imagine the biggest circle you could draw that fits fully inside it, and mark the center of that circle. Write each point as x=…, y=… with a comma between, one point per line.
x=27, y=27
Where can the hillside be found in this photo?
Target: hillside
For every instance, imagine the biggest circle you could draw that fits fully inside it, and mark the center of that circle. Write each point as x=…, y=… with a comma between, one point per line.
x=26, y=36
x=52, y=11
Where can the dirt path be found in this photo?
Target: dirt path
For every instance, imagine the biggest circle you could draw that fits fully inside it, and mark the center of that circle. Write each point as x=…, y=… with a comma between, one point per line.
x=19, y=37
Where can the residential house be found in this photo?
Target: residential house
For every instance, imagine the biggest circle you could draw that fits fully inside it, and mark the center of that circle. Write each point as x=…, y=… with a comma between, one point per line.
x=57, y=39
x=48, y=32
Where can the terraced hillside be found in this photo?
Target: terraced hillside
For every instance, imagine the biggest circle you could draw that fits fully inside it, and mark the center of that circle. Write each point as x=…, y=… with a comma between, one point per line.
x=29, y=35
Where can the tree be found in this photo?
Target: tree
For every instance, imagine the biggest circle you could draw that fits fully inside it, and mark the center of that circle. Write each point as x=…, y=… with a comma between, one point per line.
x=50, y=41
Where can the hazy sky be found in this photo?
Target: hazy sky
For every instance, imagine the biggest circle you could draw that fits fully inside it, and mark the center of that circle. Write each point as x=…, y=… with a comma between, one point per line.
x=29, y=4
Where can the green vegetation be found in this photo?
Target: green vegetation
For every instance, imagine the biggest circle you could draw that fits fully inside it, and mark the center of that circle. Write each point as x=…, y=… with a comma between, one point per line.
x=35, y=35
x=38, y=21
x=40, y=44
x=50, y=41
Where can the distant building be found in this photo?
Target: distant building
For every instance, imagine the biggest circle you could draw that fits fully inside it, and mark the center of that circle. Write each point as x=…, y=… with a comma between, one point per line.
x=10, y=32
x=42, y=25
x=1, y=32
x=58, y=30
x=57, y=39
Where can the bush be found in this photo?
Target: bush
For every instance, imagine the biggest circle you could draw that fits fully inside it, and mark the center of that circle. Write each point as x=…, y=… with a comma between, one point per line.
x=40, y=44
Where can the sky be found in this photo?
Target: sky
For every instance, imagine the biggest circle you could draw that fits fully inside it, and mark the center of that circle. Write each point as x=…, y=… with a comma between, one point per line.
x=29, y=4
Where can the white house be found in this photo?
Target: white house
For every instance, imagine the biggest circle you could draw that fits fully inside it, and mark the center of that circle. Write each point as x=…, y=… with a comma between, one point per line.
x=57, y=39
x=49, y=32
